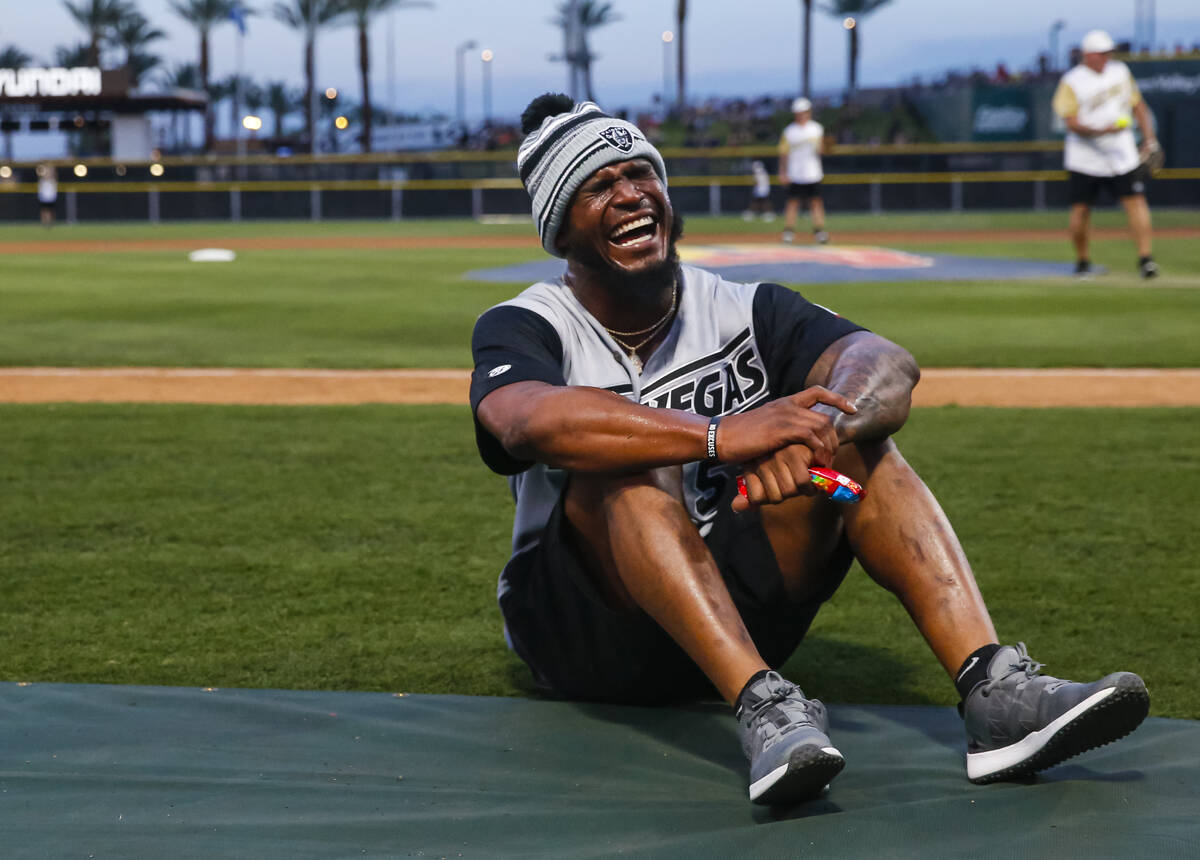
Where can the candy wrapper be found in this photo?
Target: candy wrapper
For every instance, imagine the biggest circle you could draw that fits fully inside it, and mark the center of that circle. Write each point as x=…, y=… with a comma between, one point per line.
x=832, y=483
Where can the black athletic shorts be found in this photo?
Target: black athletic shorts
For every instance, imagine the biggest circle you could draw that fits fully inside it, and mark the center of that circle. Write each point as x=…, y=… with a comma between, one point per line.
x=579, y=648
x=805, y=191
x=1082, y=188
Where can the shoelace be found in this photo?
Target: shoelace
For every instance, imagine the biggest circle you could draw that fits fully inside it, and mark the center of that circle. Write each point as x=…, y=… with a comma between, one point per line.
x=777, y=696
x=1024, y=663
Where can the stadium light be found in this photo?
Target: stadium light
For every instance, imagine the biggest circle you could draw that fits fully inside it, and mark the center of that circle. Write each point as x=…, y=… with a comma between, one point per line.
x=5, y=172
x=487, y=56
x=849, y=23
x=331, y=93
x=250, y=122
x=342, y=123
x=156, y=169
x=81, y=170
x=668, y=36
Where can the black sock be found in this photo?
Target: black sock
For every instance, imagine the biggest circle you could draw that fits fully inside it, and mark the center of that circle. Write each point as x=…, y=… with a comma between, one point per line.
x=1143, y=260
x=974, y=669
x=757, y=676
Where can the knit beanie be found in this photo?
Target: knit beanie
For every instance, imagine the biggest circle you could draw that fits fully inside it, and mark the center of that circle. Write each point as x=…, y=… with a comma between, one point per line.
x=569, y=145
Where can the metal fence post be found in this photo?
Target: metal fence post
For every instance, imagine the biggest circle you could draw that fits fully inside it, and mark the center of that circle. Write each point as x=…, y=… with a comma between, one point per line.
x=876, y=197
x=314, y=202
x=235, y=204
x=956, y=196
x=72, y=208
x=153, y=207
x=397, y=202
x=714, y=198
x=476, y=202
x=1039, y=195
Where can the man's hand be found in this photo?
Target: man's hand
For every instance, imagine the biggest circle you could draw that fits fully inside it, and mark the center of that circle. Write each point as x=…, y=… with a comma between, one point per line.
x=779, y=441
x=770, y=480
x=787, y=421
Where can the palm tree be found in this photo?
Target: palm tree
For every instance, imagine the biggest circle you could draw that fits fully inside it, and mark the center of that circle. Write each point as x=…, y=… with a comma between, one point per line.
x=69, y=56
x=133, y=33
x=308, y=16
x=13, y=57
x=681, y=68
x=361, y=12
x=590, y=14
x=283, y=101
x=852, y=12
x=98, y=18
x=204, y=15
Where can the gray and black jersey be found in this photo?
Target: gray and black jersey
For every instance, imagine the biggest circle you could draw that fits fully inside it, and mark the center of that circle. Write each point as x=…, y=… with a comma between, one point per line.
x=730, y=348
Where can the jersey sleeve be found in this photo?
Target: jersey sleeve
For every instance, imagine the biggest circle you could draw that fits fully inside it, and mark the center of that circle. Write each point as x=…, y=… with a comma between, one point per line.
x=1135, y=94
x=791, y=333
x=510, y=344
x=1065, y=103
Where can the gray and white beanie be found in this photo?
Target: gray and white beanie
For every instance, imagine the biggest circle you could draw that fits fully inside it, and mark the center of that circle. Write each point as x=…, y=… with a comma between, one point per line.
x=556, y=158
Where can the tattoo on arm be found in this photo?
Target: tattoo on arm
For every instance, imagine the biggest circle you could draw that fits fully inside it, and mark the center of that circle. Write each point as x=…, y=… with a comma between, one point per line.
x=875, y=375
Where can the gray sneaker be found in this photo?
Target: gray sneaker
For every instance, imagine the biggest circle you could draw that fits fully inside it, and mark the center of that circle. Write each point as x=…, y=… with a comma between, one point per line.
x=783, y=736
x=1019, y=721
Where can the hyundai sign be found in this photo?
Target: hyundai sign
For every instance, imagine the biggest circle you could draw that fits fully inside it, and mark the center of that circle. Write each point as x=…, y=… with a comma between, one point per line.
x=54, y=82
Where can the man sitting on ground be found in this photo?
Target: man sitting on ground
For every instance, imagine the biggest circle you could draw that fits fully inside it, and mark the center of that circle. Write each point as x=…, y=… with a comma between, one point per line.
x=624, y=399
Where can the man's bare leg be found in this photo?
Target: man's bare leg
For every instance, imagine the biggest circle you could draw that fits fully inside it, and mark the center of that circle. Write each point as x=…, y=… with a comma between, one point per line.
x=790, y=212
x=1137, y=211
x=1081, y=217
x=817, y=210
x=649, y=556
x=902, y=538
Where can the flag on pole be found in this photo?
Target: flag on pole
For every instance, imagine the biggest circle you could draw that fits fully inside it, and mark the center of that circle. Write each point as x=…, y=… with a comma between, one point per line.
x=237, y=14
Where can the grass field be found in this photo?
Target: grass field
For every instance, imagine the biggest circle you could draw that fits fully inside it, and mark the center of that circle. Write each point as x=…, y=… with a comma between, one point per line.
x=357, y=548
x=412, y=307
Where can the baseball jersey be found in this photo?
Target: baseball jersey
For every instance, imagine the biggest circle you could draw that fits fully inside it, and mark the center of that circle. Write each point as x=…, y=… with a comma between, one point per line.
x=731, y=347
x=1099, y=99
x=800, y=144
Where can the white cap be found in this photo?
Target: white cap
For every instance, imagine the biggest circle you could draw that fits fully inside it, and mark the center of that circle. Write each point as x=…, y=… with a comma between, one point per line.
x=801, y=104
x=1097, y=42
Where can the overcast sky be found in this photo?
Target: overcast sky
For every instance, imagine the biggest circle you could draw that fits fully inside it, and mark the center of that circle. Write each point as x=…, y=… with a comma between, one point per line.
x=735, y=47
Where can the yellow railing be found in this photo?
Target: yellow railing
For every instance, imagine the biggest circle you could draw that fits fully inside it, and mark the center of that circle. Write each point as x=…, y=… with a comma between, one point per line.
x=168, y=186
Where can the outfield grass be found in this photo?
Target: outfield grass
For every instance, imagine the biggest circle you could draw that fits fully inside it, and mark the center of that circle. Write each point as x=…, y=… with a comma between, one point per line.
x=357, y=548
x=412, y=308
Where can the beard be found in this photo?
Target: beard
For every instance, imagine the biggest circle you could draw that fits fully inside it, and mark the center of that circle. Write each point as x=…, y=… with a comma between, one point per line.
x=638, y=286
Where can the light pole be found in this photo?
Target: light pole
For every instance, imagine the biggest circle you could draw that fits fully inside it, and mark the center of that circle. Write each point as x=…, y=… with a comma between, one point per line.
x=1055, y=29
x=487, y=56
x=468, y=45
x=851, y=27
x=667, y=38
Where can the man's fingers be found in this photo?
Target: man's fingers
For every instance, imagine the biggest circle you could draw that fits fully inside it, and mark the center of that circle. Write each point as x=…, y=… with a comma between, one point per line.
x=810, y=397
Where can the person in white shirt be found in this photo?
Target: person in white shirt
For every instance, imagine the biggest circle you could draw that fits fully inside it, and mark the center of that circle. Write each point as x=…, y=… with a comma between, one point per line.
x=800, y=149
x=1097, y=100
x=760, y=195
x=47, y=192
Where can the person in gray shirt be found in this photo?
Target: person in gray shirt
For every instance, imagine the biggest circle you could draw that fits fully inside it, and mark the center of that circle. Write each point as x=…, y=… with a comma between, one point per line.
x=625, y=400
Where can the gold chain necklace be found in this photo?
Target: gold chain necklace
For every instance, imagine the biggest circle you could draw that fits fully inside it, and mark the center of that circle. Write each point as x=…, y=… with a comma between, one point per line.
x=650, y=333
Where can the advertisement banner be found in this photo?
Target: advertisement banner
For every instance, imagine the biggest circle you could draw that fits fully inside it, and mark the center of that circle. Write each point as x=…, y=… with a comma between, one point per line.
x=1002, y=113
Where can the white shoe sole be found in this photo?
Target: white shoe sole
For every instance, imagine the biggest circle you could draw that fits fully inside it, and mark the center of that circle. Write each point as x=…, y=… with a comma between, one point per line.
x=984, y=764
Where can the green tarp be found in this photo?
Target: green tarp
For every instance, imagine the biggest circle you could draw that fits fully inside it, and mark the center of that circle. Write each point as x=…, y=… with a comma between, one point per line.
x=123, y=772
